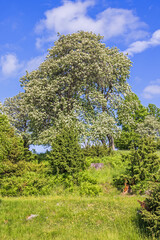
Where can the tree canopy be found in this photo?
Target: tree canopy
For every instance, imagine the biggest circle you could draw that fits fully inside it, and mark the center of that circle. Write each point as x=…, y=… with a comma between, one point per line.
x=136, y=121
x=80, y=79
x=154, y=111
x=16, y=111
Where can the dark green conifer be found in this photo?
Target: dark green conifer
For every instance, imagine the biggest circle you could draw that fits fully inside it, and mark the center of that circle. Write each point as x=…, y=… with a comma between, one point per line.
x=142, y=166
x=11, y=146
x=150, y=213
x=143, y=161
x=66, y=155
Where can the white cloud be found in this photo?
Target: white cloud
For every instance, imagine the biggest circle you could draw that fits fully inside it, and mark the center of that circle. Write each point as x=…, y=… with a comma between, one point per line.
x=9, y=64
x=72, y=17
x=66, y=17
x=151, y=90
x=34, y=63
x=157, y=81
x=147, y=96
x=140, y=46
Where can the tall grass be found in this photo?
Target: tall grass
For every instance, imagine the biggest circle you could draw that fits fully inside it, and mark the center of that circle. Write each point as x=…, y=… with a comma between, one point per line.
x=68, y=216
x=106, y=218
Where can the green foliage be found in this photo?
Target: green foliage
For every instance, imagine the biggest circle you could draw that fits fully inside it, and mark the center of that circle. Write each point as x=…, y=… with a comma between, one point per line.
x=18, y=174
x=27, y=185
x=81, y=78
x=81, y=183
x=96, y=150
x=90, y=189
x=136, y=121
x=149, y=127
x=150, y=215
x=41, y=157
x=142, y=165
x=16, y=111
x=131, y=113
x=33, y=178
x=25, y=179
x=126, y=139
x=11, y=146
x=154, y=111
x=66, y=155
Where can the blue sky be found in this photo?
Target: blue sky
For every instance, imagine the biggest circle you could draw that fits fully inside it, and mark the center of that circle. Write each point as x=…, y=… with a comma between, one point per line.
x=29, y=28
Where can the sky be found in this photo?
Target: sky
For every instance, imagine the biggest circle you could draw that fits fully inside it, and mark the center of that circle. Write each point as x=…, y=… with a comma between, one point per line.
x=29, y=28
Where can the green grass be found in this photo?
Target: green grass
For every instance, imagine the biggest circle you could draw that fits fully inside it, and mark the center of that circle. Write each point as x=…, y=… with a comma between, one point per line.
x=67, y=218
x=113, y=166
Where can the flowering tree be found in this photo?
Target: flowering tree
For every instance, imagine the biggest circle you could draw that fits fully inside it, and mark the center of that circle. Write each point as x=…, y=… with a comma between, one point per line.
x=136, y=121
x=154, y=111
x=131, y=115
x=80, y=79
x=16, y=111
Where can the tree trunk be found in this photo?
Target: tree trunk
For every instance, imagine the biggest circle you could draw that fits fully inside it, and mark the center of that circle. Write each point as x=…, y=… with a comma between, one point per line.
x=103, y=142
x=25, y=142
x=111, y=142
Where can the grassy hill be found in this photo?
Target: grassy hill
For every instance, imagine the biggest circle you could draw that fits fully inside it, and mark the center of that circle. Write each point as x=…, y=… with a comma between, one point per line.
x=67, y=218
x=67, y=215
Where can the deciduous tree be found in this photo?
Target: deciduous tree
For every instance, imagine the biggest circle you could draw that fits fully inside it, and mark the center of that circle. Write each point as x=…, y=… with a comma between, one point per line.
x=16, y=111
x=154, y=111
x=131, y=115
x=81, y=77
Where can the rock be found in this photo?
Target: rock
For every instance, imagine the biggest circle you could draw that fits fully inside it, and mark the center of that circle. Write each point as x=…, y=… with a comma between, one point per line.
x=148, y=192
x=97, y=165
x=31, y=216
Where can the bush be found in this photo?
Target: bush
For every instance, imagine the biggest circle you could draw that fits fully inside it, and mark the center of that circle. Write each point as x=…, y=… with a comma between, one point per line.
x=142, y=166
x=66, y=155
x=25, y=178
x=96, y=151
x=30, y=184
x=82, y=183
x=11, y=146
x=150, y=214
x=20, y=174
x=125, y=140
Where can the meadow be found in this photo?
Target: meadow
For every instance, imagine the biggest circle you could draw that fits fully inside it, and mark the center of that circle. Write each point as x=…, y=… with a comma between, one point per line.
x=110, y=217
x=65, y=215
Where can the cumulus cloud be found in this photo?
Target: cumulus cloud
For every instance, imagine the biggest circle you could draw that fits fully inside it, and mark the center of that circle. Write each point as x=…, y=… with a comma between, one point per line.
x=157, y=81
x=140, y=46
x=34, y=63
x=151, y=90
x=9, y=64
x=72, y=17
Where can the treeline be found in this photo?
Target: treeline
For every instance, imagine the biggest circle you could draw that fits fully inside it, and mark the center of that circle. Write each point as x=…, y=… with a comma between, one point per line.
x=83, y=82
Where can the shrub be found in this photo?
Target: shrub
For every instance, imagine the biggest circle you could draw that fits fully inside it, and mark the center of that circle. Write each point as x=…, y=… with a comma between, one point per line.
x=82, y=183
x=66, y=155
x=30, y=183
x=18, y=174
x=11, y=146
x=96, y=150
x=150, y=214
x=25, y=178
x=125, y=140
x=142, y=165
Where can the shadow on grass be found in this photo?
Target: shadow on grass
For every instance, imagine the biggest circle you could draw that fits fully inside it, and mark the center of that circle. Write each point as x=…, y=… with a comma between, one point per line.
x=141, y=225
